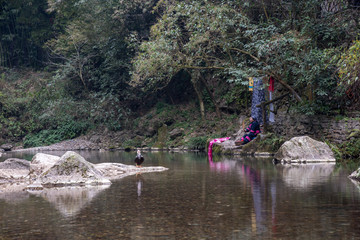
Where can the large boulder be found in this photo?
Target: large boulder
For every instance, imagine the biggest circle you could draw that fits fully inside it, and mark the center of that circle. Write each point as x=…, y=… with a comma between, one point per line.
x=304, y=149
x=6, y=147
x=355, y=175
x=71, y=169
x=40, y=163
x=177, y=132
x=14, y=169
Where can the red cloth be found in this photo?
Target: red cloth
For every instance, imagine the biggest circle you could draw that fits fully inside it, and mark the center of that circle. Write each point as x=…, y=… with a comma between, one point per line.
x=271, y=84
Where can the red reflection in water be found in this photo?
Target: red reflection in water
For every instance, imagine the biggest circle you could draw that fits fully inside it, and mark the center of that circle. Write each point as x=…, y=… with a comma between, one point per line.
x=218, y=166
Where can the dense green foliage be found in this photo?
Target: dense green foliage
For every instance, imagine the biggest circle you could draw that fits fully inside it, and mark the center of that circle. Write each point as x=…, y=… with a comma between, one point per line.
x=66, y=130
x=349, y=72
x=24, y=28
x=351, y=149
x=108, y=62
x=199, y=143
x=221, y=39
x=271, y=142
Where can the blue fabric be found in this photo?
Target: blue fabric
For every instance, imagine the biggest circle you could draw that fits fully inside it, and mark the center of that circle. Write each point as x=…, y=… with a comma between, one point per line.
x=257, y=98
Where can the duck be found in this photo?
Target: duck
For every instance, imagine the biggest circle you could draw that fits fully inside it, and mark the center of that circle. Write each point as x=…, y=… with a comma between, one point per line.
x=139, y=159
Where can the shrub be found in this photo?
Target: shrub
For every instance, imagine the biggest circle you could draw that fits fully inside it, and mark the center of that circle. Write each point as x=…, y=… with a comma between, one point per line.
x=198, y=143
x=272, y=142
x=67, y=130
x=350, y=149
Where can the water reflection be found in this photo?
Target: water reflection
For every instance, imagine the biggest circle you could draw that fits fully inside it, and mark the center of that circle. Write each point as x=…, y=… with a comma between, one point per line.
x=250, y=177
x=253, y=177
x=70, y=200
x=264, y=190
x=224, y=165
x=356, y=183
x=304, y=176
x=139, y=183
x=198, y=198
x=13, y=192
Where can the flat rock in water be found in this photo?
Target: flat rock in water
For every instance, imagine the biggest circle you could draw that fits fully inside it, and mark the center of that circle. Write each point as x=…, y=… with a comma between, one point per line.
x=15, y=163
x=14, y=169
x=114, y=171
x=71, y=169
x=304, y=149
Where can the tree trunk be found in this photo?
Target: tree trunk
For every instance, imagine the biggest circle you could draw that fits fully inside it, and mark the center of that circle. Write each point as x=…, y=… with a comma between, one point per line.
x=80, y=73
x=194, y=78
x=2, y=56
x=212, y=97
x=201, y=101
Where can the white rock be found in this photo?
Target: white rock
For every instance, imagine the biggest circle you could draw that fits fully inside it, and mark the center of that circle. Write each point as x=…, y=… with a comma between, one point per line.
x=72, y=169
x=304, y=149
x=40, y=163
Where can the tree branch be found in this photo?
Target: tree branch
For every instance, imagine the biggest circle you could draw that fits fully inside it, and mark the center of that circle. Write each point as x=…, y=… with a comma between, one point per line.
x=298, y=98
x=245, y=52
x=278, y=78
x=200, y=68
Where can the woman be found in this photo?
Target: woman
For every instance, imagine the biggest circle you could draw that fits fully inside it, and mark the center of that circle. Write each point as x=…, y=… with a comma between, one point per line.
x=253, y=129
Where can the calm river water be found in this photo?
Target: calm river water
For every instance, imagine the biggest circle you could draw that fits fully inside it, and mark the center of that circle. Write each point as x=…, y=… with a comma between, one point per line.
x=197, y=198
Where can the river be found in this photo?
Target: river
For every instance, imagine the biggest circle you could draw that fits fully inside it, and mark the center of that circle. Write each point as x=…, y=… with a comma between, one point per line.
x=197, y=198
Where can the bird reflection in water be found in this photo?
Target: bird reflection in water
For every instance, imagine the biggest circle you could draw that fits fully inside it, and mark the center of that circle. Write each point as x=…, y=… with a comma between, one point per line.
x=139, y=183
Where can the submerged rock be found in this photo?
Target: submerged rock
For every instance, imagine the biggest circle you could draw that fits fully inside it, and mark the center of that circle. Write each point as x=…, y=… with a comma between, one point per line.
x=304, y=149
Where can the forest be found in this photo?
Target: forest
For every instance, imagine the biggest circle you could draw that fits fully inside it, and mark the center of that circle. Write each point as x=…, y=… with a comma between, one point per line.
x=72, y=67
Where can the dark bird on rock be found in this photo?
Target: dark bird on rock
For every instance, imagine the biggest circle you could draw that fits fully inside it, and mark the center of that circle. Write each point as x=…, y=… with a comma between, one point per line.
x=139, y=159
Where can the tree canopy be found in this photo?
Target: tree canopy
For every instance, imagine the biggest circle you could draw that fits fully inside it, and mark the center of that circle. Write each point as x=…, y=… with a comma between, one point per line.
x=294, y=42
x=108, y=55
